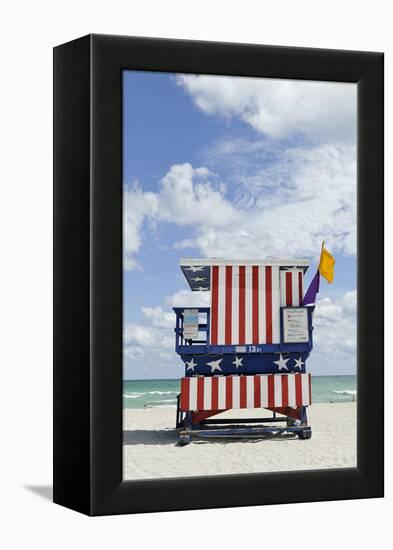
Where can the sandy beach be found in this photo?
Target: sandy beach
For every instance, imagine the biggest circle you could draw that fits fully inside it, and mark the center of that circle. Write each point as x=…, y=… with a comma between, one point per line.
x=150, y=449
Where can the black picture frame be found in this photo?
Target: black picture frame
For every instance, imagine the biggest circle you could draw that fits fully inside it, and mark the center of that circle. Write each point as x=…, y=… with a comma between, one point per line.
x=88, y=274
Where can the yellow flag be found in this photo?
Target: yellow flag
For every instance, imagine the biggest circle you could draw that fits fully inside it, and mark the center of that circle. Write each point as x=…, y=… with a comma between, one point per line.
x=326, y=265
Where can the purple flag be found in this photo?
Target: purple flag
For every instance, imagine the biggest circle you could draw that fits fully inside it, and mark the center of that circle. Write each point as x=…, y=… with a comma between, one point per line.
x=312, y=291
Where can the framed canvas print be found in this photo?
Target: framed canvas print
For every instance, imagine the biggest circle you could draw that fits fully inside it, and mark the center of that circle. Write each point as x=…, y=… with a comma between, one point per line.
x=218, y=275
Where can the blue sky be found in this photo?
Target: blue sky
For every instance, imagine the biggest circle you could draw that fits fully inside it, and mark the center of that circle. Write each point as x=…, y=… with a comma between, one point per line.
x=234, y=167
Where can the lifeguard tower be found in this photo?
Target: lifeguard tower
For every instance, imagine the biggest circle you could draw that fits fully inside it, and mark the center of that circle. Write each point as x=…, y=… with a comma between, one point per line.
x=248, y=350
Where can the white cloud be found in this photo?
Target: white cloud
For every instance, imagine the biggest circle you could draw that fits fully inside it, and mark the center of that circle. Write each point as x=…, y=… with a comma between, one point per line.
x=187, y=196
x=148, y=350
x=144, y=336
x=158, y=317
x=137, y=205
x=157, y=332
x=334, y=335
x=188, y=298
x=133, y=352
x=349, y=302
x=149, y=347
x=316, y=201
x=278, y=107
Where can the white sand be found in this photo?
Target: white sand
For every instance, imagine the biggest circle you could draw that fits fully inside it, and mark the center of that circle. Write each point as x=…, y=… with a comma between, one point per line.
x=150, y=449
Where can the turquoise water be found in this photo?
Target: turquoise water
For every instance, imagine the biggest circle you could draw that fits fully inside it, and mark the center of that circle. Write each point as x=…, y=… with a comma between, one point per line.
x=138, y=394
x=153, y=393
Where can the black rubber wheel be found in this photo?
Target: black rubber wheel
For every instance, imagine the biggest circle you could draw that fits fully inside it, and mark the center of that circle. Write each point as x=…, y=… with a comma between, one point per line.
x=305, y=434
x=184, y=440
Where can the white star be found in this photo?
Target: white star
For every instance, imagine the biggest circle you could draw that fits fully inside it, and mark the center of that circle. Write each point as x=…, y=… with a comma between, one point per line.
x=299, y=363
x=191, y=364
x=281, y=363
x=215, y=365
x=238, y=362
x=197, y=279
x=202, y=288
x=194, y=268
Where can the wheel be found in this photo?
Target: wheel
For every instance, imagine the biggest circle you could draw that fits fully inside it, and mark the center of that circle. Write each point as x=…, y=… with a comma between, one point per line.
x=305, y=434
x=184, y=440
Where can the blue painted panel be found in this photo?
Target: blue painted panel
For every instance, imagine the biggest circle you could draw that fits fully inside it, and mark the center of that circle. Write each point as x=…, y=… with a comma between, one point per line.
x=269, y=363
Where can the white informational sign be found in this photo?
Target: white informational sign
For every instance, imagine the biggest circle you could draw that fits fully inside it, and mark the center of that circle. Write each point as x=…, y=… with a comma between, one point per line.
x=190, y=324
x=295, y=325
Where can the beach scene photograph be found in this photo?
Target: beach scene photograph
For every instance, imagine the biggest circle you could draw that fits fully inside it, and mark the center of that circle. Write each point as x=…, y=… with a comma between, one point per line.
x=239, y=275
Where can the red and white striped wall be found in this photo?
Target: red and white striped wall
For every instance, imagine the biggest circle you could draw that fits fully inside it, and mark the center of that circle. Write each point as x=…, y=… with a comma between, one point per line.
x=245, y=305
x=291, y=287
x=204, y=393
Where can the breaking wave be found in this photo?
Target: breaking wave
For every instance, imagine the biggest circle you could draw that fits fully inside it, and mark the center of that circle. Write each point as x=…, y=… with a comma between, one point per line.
x=346, y=392
x=134, y=395
x=131, y=395
x=160, y=392
x=163, y=401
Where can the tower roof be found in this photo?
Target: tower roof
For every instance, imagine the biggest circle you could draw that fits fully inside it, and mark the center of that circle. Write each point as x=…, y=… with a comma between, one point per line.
x=197, y=271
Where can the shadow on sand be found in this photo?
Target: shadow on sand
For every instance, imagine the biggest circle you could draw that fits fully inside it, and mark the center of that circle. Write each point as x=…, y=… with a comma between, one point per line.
x=150, y=437
x=170, y=437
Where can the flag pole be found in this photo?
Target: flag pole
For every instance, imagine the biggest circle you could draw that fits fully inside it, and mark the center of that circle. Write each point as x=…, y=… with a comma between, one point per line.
x=320, y=257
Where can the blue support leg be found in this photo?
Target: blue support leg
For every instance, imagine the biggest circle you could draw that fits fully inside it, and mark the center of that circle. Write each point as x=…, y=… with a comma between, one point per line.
x=306, y=433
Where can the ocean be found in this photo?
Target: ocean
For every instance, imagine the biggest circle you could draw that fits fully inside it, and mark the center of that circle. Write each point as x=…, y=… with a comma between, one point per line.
x=138, y=394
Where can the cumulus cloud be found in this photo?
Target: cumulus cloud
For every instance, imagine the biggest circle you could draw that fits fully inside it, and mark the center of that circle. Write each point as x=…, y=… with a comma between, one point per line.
x=158, y=317
x=145, y=336
x=334, y=335
x=149, y=346
x=137, y=205
x=349, y=302
x=188, y=298
x=316, y=201
x=278, y=107
x=132, y=352
x=187, y=196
